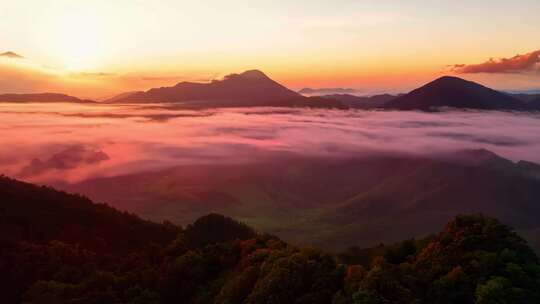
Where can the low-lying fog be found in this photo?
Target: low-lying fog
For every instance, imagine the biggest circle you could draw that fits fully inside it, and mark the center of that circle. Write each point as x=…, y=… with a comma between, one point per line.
x=52, y=142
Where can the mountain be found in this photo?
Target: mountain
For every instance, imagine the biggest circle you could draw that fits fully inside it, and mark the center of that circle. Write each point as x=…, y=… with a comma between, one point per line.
x=248, y=87
x=11, y=55
x=41, y=97
x=456, y=93
x=331, y=202
x=360, y=102
x=47, y=258
x=251, y=88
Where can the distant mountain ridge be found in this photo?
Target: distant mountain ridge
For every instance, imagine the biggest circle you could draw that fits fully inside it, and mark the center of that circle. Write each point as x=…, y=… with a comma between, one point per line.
x=251, y=88
x=455, y=92
x=362, y=102
x=326, y=91
x=41, y=97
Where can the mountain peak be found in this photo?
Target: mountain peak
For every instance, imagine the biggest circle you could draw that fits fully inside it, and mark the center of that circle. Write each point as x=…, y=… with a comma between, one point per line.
x=449, y=78
x=453, y=81
x=256, y=74
x=250, y=74
x=11, y=55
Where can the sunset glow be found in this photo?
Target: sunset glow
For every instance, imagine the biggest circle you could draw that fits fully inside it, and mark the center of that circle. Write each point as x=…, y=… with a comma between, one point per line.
x=368, y=45
x=77, y=40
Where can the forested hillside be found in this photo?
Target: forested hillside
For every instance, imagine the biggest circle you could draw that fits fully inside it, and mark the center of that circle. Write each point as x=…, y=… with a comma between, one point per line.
x=62, y=248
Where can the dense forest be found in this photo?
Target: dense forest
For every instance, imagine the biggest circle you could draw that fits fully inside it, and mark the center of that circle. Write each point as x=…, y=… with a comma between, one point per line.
x=57, y=247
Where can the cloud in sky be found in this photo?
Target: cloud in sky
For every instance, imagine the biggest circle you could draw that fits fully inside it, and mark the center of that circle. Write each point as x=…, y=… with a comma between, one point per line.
x=517, y=64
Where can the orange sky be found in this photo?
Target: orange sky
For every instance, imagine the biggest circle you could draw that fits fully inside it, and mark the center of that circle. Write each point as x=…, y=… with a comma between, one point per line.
x=100, y=48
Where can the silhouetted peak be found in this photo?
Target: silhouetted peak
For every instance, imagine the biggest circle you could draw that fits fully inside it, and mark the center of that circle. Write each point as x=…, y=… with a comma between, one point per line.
x=452, y=82
x=449, y=78
x=11, y=55
x=253, y=74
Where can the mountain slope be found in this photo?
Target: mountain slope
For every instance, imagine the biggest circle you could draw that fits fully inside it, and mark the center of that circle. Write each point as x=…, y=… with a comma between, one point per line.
x=41, y=97
x=457, y=93
x=328, y=202
x=115, y=98
x=40, y=214
x=474, y=259
x=420, y=194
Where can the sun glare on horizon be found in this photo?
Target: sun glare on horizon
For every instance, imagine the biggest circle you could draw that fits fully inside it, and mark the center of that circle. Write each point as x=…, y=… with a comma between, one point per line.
x=77, y=39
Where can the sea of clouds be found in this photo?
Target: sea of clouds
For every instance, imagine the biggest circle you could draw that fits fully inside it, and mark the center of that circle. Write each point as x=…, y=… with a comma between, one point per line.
x=51, y=142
